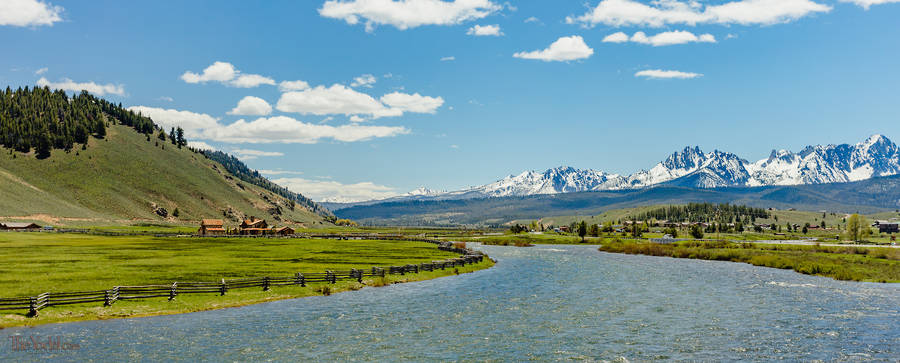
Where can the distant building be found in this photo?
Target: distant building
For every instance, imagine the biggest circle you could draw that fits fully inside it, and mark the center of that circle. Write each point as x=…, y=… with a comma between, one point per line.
x=284, y=231
x=887, y=227
x=15, y=226
x=254, y=227
x=211, y=227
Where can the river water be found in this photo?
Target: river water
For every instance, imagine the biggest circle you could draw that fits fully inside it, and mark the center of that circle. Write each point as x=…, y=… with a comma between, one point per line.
x=541, y=303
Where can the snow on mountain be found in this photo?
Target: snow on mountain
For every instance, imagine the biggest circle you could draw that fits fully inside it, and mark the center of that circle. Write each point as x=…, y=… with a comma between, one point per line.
x=691, y=167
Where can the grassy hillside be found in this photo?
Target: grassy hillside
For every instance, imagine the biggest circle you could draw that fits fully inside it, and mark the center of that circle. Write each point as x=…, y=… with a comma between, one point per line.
x=123, y=177
x=869, y=196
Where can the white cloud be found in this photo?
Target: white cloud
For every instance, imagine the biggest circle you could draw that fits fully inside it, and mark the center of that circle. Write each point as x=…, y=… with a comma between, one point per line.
x=287, y=86
x=200, y=145
x=70, y=85
x=563, y=49
x=532, y=19
x=355, y=118
x=41, y=71
x=661, y=39
x=486, y=30
x=225, y=73
x=868, y=3
x=664, y=12
x=327, y=190
x=366, y=80
x=447, y=59
x=250, y=154
x=412, y=103
x=661, y=74
x=283, y=129
x=29, y=13
x=279, y=172
x=407, y=14
x=218, y=71
x=251, y=80
x=192, y=123
x=337, y=99
x=342, y=100
x=252, y=106
x=166, y=98
x=618, y=37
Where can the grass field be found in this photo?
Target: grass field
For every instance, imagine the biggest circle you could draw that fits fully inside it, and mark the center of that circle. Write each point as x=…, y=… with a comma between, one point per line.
x=32, y=263
x=875, y=264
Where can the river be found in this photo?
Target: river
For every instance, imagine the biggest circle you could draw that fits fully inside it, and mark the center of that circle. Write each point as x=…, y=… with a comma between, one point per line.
x=541, y=303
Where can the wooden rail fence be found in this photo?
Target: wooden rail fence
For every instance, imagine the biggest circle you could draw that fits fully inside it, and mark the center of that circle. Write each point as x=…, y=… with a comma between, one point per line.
x=221, y=287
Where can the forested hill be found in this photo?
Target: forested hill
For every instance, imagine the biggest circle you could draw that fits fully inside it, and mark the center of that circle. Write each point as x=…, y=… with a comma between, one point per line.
x=85, y=158
x=240, y=170
x=45, y=120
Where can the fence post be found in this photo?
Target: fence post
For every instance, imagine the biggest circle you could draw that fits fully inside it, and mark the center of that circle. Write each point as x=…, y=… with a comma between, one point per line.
x=329, y=275
x=266, y=283
x=172, y=293
x=223, y=288
x=32, y=307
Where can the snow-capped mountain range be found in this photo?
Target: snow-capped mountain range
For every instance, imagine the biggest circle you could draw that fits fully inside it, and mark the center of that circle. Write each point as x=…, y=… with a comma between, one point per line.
x=691, y=167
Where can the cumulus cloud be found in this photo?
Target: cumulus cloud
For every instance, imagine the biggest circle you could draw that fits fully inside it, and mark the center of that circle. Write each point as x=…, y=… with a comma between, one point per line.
x=405, y=14
x=95, y=88
x=665, y=12
x=661, y=39
x=283, y=129
x=200, y=145
x=279, y=129
x=447, y=59
x=335, y=100
x=868, y=3
x=366, y=80
x=29, y=13
x=251, y=80
x=250, y=154
x=287, y=86
x=661, y=74
x=563, y=49
x=486, y=30
x=279, y=172
x=252, y=106
x=342, y=100
x=225, y=73
x=412, y=103
x=532, y=19
x=193, y=123
x=41, y=71
x=332, y=191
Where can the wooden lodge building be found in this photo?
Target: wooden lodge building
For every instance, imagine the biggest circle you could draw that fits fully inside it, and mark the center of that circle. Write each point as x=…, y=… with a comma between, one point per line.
x=212, y=227
x=248, y=227
x=254, y=227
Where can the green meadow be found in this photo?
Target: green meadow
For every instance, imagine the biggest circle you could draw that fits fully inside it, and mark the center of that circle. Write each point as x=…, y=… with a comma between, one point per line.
x=33, y=263
x=874, y=264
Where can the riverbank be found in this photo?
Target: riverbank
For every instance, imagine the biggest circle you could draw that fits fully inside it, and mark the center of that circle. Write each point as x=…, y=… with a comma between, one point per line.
x=35, y=263
x=872, y=264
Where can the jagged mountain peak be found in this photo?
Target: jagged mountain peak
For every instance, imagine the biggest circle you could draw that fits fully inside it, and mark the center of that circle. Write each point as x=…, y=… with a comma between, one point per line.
x=875, y=156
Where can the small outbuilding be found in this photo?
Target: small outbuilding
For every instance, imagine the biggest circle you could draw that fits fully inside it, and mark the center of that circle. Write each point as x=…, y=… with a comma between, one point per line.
x=16, y=226
x=887, y=227
x=284, y=231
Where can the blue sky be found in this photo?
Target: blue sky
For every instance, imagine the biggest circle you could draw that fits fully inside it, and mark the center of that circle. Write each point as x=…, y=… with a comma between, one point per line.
x=396, y=95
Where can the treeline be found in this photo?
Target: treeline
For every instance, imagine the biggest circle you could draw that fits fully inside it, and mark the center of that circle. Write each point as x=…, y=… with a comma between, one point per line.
x=242, y=172
x=703, y=212
x=43, y=120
